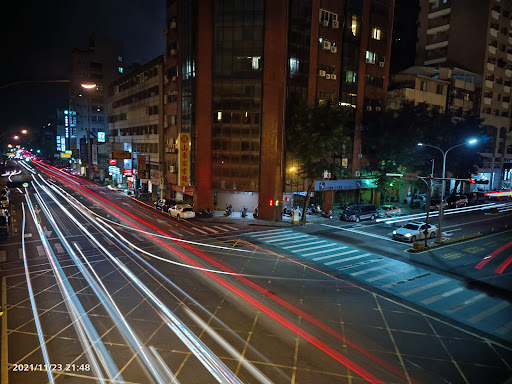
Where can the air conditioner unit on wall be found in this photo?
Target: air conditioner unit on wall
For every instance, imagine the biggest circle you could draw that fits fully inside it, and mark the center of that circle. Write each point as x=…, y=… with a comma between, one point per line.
x=381, y=64
x=328, y=76
x=333, y=77
x=326, y=23
x=326, y=45
x=334, y=49
x=172, y=169
x=335, y=24
x=321, y=73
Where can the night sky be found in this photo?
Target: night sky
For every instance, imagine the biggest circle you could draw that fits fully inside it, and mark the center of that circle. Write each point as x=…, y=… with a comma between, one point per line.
x=37, y=38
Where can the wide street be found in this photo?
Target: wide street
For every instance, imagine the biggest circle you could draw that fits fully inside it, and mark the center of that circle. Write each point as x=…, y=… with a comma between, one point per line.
x=100, y=287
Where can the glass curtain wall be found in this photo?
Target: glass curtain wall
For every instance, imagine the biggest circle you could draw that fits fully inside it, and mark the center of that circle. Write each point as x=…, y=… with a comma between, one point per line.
x=237, y=93
x=299, y=44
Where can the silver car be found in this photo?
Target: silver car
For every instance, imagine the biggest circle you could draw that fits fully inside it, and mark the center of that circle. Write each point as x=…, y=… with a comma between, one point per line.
x=414, y=230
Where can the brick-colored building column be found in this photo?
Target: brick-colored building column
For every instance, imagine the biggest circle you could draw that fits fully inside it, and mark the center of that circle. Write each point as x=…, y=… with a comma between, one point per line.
x=273, y=109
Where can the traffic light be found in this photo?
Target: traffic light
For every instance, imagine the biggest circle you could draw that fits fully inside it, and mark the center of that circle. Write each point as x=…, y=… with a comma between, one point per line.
x=475, y=181
x=277, y=203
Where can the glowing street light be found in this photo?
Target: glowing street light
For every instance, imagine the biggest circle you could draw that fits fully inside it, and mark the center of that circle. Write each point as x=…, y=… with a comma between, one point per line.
x=441, y=206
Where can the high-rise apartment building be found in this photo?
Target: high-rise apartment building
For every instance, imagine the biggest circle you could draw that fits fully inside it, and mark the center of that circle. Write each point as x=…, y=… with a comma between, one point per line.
x=97, y=65
x=476, y=36
x=232, y=68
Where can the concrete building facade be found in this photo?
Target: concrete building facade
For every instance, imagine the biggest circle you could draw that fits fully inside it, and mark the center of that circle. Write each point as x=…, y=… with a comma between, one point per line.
x=135, y=120
x=477, y=36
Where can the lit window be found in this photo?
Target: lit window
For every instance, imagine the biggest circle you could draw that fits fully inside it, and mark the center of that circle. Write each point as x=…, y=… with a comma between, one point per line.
x=256, y=62
x=119, y=58
x=376, y=33
x=219, y=116
x=294, y=65
x=371, y=57
x=120, y=69
x=354, y=26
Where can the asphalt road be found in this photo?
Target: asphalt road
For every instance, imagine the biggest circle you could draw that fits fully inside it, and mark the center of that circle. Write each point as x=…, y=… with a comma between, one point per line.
x=142, y=298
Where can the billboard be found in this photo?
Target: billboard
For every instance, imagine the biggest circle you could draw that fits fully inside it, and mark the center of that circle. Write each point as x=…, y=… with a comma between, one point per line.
x=101, y=137
x=141, y=166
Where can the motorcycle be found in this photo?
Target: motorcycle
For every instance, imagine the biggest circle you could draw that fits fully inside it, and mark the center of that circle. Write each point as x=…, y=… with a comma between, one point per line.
x=244, y=212
x=287, y=212
x=229, y=210
x=255, y=212
x=327, y=214
x=204, y=213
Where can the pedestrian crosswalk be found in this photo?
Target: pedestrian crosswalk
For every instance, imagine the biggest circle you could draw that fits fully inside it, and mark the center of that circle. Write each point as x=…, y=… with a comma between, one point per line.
x=444, y=295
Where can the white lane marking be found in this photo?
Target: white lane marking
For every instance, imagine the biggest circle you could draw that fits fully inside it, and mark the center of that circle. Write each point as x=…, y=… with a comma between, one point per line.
x=40, y=250
x=327, y=257
x=465, y=303
x=368, y=270
x=488, y=312
x=20, y=253
x=435, y=298
x=220, y=228
x=308, y=240
x=423, y=287
x=198, y=230
x=357, y=257
x=335, y=255
x=232, y=228
x=27, y=235
x=330, y=250
x=291, y=236
x=363, y=233
x=269, y=232
x=59, y=248
x=504, y=328
x=383, y=276
x=358, y=264
x=317, y=247
x=341, y=260
x=211, y=230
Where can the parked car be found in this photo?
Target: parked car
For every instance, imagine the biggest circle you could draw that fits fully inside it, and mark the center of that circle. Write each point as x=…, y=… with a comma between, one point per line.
x=388, y=210
x=419, y=200
x=457, y=201
x=359, y=212
x=435, y=204
x=414, y=230
x=183, y=211
x=164, y=204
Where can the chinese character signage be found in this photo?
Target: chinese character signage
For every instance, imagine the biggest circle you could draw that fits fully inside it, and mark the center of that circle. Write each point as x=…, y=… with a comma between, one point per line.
x=184, y=159
x=101, y=137
x=141, y=166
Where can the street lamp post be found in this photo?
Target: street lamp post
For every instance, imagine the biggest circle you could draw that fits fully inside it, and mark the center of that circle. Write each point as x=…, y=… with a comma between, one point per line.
x=439, y=238
x=87, y=87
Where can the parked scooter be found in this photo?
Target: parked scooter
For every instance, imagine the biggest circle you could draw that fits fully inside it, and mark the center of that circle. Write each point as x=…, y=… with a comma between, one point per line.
x=327, y=214
x=255, y=212
x=287, y=212
x=229, y=210
x=244, y=212
x=204, y=213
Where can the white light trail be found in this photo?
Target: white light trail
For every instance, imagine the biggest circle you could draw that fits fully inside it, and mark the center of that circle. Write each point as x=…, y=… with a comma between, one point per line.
x=209, y=360
x=84, y=327
x=40, y=334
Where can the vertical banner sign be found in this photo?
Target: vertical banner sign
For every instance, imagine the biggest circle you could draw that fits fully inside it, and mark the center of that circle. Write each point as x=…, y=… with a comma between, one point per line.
x=184, y=160
x=95, y=154
x=141, y=166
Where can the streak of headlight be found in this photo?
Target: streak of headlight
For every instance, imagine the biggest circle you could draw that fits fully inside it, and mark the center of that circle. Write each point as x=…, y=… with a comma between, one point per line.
x=299, y=331
x=40, y=334
x=120, y=321
x=104, y=297
x=216, y=367
x=76, y=309
x=161, y=361
x=417, y=216
x=232, y=351
x=319, y=344
x=27, y=167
